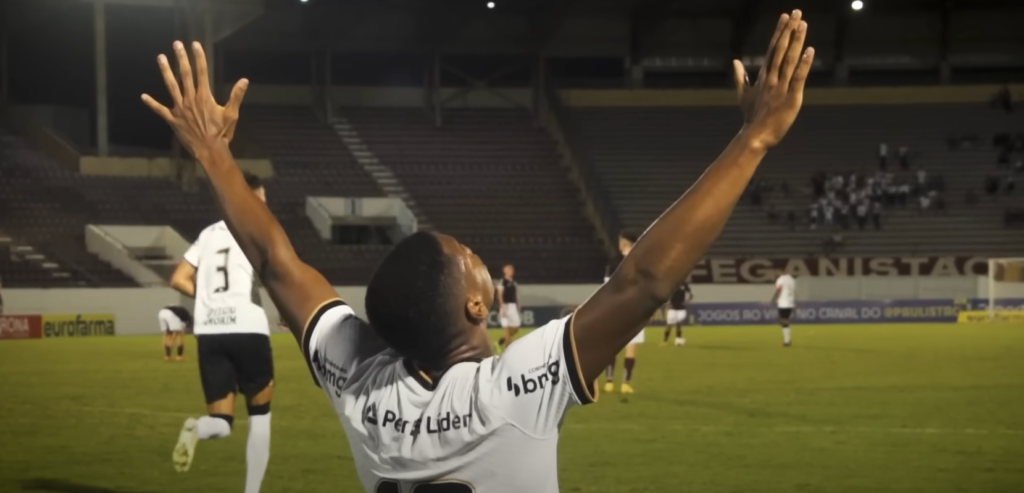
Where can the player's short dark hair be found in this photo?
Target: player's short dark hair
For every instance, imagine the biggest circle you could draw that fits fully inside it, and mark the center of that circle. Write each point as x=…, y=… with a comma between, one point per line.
x=409, y=300
x=254, y=182
x=629, y=235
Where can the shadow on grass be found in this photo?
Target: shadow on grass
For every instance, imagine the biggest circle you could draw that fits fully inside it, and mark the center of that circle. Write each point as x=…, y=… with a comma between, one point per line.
x=61, y=486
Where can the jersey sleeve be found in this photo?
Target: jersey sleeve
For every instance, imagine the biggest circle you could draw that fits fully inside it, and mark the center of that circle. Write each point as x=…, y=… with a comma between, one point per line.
x=335, y=342
x=192, y=254
x=538, y=378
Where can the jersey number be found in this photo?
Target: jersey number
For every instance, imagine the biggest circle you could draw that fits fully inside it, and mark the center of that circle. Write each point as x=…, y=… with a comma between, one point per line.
x=450, y=486
x=223, y=269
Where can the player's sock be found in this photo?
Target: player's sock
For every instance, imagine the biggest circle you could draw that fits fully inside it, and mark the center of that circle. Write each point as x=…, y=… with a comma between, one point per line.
x=167, y=351
x=181, y=350
x=257, y=451
x=668, y=332
x=679, y=332
x=785, y=334
x=214, y=426
x=628, y=364
x=609, y=373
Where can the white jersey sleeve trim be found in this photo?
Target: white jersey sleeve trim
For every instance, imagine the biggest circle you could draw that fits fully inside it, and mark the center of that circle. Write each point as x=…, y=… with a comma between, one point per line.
x=335, y=342
x=314, y=331
x=583, y=391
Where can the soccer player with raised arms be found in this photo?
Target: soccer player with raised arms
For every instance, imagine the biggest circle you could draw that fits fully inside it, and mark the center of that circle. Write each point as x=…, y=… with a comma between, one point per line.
x=424, y=403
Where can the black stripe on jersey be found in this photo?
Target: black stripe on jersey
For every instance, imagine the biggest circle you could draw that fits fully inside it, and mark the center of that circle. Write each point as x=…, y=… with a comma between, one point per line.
x=307, y=334
x=584, y=392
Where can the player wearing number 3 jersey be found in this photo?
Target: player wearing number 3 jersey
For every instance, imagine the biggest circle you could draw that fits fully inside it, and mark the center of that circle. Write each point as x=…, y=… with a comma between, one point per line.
x=426, y=405
x=233, y=338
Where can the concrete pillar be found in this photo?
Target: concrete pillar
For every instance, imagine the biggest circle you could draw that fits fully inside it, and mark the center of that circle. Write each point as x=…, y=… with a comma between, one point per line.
x=945, y=73
x=5, y=69
x=842, y=73
x=636, y=76
x=328, y=82
x=99, y=16
x=218, y=75
x=210, y=47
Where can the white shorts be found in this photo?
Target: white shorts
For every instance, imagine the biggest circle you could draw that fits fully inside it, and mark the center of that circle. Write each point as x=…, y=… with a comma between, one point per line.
x=169, y=322
x=674, y=317
x=639, y=339
x=509, y=317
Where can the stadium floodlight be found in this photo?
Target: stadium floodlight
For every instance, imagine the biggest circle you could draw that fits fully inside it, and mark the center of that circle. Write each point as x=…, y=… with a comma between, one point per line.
x=490, y=5
x=857, y=5
x=1005, y=286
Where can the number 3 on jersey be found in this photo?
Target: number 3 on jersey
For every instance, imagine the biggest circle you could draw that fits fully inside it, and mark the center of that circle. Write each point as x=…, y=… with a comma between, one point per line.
x=223, y=270
x=450, y=486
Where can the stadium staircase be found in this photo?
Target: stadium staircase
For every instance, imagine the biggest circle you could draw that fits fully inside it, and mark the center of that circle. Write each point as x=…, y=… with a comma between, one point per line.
x=311, y=160
x=380, y=171
x=495, y=181
x=647, y=157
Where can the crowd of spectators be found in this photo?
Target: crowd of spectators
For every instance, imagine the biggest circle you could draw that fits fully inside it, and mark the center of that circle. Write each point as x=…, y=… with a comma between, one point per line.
x=1009, y=163
x=855, y=199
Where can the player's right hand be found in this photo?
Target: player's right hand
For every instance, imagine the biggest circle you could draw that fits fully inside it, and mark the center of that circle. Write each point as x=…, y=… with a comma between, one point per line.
x=197, y=119
x=771, y=104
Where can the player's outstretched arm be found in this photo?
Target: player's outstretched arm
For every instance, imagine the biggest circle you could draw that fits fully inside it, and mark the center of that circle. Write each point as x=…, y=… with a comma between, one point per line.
x=666, y=253
x=205, y=129
x=183, y=280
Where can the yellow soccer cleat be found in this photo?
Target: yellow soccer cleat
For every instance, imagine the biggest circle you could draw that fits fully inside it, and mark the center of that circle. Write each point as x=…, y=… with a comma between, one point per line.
x=626, y=389
x=609, y=387
x=185, y=449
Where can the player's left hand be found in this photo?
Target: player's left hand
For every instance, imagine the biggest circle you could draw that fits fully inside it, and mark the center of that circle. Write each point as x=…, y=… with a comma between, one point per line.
x=197, y=119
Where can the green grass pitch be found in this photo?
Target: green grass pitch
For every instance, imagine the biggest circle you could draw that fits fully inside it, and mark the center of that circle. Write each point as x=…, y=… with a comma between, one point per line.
x=859, y=409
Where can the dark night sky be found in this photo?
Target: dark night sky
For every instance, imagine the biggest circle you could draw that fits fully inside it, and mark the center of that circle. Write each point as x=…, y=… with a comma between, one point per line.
x=52, y=62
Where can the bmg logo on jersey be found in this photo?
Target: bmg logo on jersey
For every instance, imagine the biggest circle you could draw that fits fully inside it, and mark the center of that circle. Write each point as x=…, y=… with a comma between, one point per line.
x=331, y=375
x=528, y=383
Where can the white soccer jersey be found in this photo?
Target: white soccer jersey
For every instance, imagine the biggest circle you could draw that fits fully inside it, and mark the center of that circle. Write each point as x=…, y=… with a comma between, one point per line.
x=489, y=425
x=787, y=291
x=227, y=291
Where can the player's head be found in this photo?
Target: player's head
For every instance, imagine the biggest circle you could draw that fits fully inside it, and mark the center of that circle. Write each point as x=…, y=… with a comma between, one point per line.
x=429, y=300
x=779, y=271
x=509, y=270
x=626, y=240
x=255, y=184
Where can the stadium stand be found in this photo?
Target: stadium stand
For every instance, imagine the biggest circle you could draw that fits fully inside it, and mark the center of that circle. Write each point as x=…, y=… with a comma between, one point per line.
x=310, y=160
x=494, y=180
x=47, y=206
x=45, y=210
x=672, y=146
x=490, y=178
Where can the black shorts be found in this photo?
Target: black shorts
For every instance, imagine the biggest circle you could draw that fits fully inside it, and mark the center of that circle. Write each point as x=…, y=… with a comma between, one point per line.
x=231, y=363
x=785, y=312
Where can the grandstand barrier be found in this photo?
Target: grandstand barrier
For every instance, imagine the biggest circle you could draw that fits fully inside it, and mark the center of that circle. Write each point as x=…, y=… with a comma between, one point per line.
x=133, y=310
x=14, y=327
x=814, y=312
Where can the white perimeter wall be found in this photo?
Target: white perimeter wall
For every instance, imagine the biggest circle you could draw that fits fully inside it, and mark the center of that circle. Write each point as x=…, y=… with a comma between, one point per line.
x=135, y=308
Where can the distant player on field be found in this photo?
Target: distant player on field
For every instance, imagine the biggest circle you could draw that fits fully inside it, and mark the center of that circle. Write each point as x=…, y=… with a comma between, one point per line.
x=233, y=338
x=508, y=306
x=785, y=299
x=174, y=320
x=424, y=403
x=675, y=315
x=627, y=239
